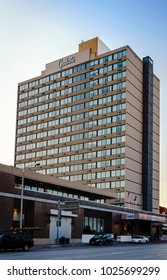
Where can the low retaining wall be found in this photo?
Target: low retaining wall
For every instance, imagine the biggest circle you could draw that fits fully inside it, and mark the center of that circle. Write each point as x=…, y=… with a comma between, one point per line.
x=51, y=241
x=120, y=238
x=44, y=241
x=124, y=238
x=85, y=239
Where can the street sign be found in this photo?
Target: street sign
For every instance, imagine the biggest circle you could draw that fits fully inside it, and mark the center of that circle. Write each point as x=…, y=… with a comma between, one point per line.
x=71, y=205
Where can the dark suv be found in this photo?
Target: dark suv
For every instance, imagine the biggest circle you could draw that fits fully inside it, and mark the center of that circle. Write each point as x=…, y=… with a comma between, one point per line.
x=102, y=239
x=15, y=241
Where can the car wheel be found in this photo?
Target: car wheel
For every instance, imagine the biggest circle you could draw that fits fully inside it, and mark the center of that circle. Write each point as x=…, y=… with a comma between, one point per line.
x=26, y=247
x=100, y=243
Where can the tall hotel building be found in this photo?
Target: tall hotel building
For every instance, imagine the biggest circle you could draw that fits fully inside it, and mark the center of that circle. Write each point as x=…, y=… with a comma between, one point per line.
x=93, y=117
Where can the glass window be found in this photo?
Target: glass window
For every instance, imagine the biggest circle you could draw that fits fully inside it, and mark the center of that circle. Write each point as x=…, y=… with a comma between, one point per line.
x=91, y=93
x=89, y=155
x=79, y=68
x=64, y=139
x=67, y=72
x=90, y=103
x=64, y=149
x=54, y=76
x=103, y=153
x=76, y=157
x=89, y=145
x=22, y=113
x=77, y=126
x=32, y=110
x=78, y=97
x=78, y=107
x=91, y=114
x=77, y=117
x=91, y=74
x=78, y=78
x=90, y=134
x=43, y=116
x=23, y=87
x=66, y=82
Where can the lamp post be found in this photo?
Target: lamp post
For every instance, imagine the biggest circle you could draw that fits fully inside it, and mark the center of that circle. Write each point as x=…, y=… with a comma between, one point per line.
x=22, y=192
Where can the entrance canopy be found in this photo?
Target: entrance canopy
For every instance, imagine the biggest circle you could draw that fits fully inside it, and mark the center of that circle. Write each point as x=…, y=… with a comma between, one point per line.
x=143, y=216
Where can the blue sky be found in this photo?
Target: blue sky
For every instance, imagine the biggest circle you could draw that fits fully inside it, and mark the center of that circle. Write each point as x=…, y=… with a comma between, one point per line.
x=34, y=33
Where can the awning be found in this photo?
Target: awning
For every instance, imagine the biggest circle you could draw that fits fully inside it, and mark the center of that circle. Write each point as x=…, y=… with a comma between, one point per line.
x=143, y=216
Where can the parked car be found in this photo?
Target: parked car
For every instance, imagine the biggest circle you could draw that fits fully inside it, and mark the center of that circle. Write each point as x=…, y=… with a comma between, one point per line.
x=15, y=241
x=139, y=239
x=102, y=239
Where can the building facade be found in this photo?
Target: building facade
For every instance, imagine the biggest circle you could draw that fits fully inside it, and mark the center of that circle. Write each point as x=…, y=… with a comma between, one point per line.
x=93, y=117
x=55, y=208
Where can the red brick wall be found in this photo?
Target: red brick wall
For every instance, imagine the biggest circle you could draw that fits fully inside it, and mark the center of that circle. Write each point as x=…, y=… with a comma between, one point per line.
x=77, y=224
x=6, y=210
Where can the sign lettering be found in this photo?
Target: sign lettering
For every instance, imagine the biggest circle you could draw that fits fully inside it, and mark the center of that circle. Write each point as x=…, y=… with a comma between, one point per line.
x=68, y=60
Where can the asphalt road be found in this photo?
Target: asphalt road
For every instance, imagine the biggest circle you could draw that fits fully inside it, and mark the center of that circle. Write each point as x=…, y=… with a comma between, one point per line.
x=150, y=251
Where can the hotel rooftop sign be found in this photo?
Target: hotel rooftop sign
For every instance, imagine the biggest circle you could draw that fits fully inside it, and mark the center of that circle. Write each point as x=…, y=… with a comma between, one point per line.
x=66, y=62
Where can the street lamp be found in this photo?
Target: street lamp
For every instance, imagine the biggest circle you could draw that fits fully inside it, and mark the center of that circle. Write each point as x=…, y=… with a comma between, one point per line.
x=22, y=192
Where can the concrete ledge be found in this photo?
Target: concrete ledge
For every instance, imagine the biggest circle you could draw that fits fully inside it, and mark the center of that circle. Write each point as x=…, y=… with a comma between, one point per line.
x=44, y=241
x=86, y=237
x=75, y=241
x=124, y=238
x=52, y=241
